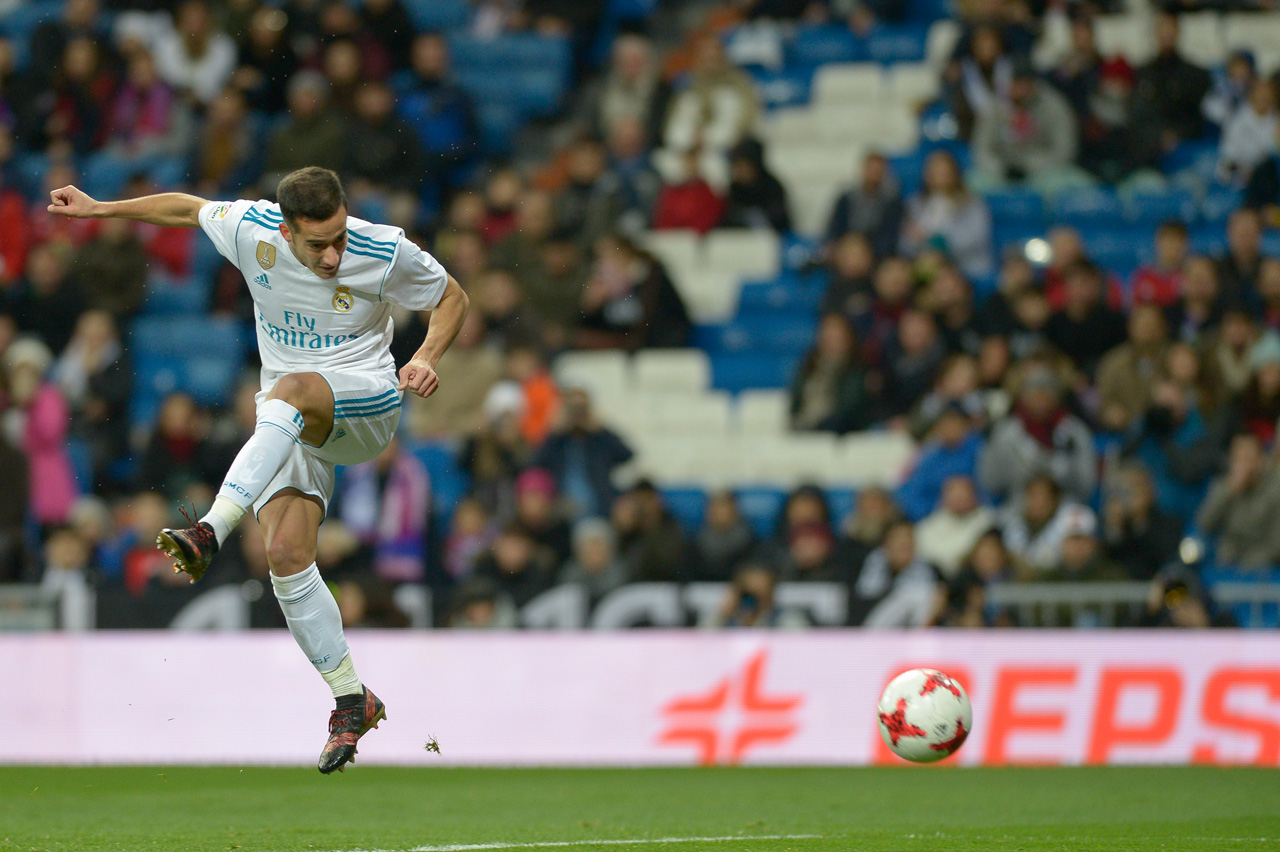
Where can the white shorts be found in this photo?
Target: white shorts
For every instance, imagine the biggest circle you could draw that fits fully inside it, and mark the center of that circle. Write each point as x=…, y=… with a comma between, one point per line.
x=366, y=412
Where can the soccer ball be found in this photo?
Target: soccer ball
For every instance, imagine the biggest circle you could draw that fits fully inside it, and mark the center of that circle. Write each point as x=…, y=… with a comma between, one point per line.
x=924, y=715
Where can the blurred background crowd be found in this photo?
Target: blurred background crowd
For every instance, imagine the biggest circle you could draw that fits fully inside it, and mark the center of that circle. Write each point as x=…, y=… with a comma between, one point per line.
x=908, y=298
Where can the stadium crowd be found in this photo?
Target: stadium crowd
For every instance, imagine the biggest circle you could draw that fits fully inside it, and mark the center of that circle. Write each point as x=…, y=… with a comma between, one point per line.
x=1075, y=421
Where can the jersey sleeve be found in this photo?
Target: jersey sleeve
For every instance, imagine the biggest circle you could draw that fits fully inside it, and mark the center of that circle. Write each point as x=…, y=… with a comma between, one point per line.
x=415, y=279
x=220, y=220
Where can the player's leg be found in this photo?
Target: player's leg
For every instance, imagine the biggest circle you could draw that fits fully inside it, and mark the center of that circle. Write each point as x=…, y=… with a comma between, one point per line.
x=298, y=407
x=290, y=522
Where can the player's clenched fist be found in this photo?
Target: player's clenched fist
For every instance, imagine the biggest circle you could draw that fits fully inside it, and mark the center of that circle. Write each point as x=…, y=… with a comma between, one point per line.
x=70, y=201
x=419, y=377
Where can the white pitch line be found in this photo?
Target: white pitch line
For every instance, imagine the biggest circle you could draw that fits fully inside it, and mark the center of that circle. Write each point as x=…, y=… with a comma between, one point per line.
x=569, y=844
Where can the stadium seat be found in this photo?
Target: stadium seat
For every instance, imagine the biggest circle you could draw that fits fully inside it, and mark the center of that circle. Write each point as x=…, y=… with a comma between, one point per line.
x=671, y=370
x=914, y=83
x=1256, y=31
x=737, y=371
x=678, y=250
x=1200, y=38
x=841, y=503
x=703, y=414
x=757, y=296
x=1219, y=202
x=711, y=296
x=783, y=87
x=872, y=458
x=820, y=45
x=776, y=331
x=1208, y=239
x=211, y=380
x=449, y=482
x=892, y=43
x=688, y=505
x=763, y=412
x=169, y=296
x=601, y=373
x=512, y=52
x=851, y=82
x=499, y=122
x=1092, y=206
x=941, y=41
x=1155, y=207
x=750, y=253
x=437, y=15
x=1016, y=205
x=1130, y=36
x=792, y=459
x=761, y=508
x=815, y=160
x=168, y=336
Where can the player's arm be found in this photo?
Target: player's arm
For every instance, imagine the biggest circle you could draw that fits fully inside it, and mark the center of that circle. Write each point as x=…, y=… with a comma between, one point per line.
x=419, y=375
x=168, y=209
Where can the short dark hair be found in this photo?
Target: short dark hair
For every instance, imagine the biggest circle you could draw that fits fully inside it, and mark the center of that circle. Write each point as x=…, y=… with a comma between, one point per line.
x=311, y=193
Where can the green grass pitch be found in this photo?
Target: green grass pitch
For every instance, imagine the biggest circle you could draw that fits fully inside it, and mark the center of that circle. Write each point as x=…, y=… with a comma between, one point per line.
x=726, y=810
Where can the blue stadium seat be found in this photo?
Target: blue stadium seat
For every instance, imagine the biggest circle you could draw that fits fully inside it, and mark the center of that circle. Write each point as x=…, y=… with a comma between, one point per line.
x=177, y=337
x=499, y=123
x=1155, y=207
x=688, y=505
x=81, y=458
x=1005, y=235
x=1117, y=249
x=819, y=45
x=1199, y=157
x=449, y=483
x=513, y=52
x=531, y=91
x=773, y=330
x=840, y=502
x=1271, y=244
x=1015, y=205
x=105, y=174
x=28, y=171
x=783, y=87
x=892, y=43
x=909, y=169
x=760, y=508
x=437, y=15
x=1208, y=239
x=632, y=10
x=171, y=296
x=21, y=22
x=1219, y=203
x=928, y=11
x=1086, y=207
x=211, y=380
x=735, y=371
x=762, y=296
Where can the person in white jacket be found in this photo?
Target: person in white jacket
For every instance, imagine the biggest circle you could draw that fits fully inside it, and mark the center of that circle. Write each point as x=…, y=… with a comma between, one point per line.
x=1249, y=136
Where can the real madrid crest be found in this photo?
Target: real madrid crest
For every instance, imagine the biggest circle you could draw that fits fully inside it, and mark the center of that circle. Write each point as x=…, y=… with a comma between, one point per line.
x=266, y=254
x=343, y=301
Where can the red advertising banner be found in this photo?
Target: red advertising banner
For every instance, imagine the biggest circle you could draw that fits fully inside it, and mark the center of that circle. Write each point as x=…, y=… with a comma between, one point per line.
x=645, y=697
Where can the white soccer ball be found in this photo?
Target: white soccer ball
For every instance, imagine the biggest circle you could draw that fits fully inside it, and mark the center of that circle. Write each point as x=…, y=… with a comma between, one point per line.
x=925, y=715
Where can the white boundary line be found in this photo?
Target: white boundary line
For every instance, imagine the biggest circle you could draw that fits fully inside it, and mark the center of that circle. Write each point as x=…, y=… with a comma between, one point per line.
x=569, y=844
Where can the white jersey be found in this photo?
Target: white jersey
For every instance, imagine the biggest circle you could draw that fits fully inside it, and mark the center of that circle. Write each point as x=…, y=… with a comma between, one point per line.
x=307, y=323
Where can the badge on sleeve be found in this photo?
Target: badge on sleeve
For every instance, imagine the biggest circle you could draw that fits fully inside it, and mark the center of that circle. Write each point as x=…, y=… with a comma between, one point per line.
x=343, y=301
x=266, y=254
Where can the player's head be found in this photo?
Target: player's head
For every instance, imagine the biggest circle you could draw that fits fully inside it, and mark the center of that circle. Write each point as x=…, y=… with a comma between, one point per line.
x=314, y=207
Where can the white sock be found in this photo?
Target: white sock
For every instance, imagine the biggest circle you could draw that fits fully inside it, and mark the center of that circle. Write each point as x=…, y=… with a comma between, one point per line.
x=260, y=459
x=316, y=625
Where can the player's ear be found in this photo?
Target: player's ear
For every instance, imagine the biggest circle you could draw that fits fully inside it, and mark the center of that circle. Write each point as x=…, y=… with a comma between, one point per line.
x=284, y=232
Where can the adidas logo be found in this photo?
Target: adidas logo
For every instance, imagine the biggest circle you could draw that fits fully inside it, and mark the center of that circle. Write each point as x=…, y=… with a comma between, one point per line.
x=261, y=281
x=342, y=433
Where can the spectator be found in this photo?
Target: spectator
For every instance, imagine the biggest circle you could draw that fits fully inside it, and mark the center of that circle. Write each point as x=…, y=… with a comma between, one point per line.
x=1161, y=282
x=382, y=158
x=949, y=298
x=947, y=217
x=79, y=19
x=1230, y=87
x=629, y=302
x=267, y=62
x=502, y=194
x=631, y=90
x=1040, y=437
x=176, y=455
x=725, y=540
x=1178, y=600
x=1127, y=373
x=716, y=110
x=110, y=270
x=1268, y=292
x=471, y=533
x=226, y=147
x=979, y=80
x=553, y=286
x=1016, y=277
x=913, y=357
x=1249, y=137
x=1241, y=508
x=477, y=604
x=534, y=223
x=595, y=564
x=863, y=531
x=873, y=208
x=951, y=450
x=895, y=587
x=48, y=302
x=875, y=324
x=1033, y=137
x=1085, y=329
x=958, y=385
x=650, y=539
x=687, y=200
x=1195, y=315
x=386, y=23
x=584, y=206
x=1066, y=252
x=517, y=566
x=1036, y=523
x=1107, y=126
x=850, y=262
x=810, y=555
x=499, y=300
x=1082, y=559
x=73, y=110
x=311, y=135
x=581, y=456
x=1238, y=266
x=386, y=503
x=630, y=182
x=1260, y=402
x=457, y=408
x=494, y=454
x=36, y=421
x=95, y=379
x=756, y=198
x=829, y=393
x=1077, y=73
x=1167, y=97
x=540, y=514
x=369, y=602
x=751, y=601
x=965, y=601
x=1139, y=534
x=146, y=118
x=947, y=535
x=340, y=62
x=195, y=56
x=1229, y=349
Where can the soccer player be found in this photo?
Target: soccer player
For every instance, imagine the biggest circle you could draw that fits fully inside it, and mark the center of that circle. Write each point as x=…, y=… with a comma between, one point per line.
x=323, y=283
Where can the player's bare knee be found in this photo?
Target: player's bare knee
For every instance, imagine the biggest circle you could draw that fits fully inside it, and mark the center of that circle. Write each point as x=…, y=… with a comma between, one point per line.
x=294, y=389
x=288, y=557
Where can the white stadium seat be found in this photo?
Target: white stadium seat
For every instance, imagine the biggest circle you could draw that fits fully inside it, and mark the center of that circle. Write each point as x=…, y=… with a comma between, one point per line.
x=872, y=458
x=1130, y=36
x=703, y=414
x=849, y=82
x=763, y=412
x=1259, y=32
x=601, y=373
x=672, y=370
x=711, y=296
x=1200, y=38
x=811, y=203
x=941, y=41
x=750, y=253
x=914, y=83
x=815, y=162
